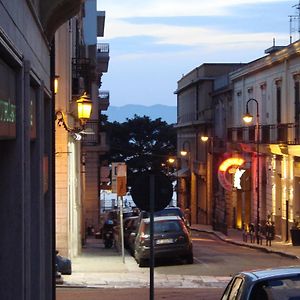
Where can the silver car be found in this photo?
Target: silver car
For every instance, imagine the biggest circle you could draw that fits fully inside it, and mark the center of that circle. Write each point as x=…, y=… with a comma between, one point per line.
x=281, y=283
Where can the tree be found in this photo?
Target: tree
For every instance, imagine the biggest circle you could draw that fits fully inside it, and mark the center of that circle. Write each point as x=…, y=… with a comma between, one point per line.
x=142, y=143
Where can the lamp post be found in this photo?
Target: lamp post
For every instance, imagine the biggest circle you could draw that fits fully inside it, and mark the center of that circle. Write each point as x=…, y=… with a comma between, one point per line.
x=173, y=162
x=186, y=153
x=84, y=108
x=248, y=119
x=209, y=167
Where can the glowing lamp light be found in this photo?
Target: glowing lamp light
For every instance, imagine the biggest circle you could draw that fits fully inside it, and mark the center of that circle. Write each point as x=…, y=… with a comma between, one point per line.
x=247, y=118
x=183, y=153
x=204, y=138
x=56, y=84
x=84, y=106
x=171, y=160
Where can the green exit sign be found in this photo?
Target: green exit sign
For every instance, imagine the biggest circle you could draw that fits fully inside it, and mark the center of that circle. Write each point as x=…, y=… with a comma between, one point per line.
x=7, y=119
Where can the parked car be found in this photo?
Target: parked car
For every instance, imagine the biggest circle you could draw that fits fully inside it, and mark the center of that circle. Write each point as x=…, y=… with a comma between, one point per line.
x=64, y=265
x=130, y=225
x=168, y=211
x=171, y=239
x=268, y=284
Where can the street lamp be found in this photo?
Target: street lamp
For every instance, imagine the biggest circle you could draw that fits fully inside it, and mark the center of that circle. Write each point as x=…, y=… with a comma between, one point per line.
x=209, y=168
x=185, y=153
x=84, y=108
x=173, y=163
x=248, y=119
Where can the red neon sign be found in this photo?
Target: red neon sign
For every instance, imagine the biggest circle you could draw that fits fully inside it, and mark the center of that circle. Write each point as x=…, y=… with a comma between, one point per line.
x=224, y=176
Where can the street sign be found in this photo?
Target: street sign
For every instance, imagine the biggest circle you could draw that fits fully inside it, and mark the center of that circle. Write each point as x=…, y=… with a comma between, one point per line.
x=121, y=185
x=118, y=169
x=163, y=191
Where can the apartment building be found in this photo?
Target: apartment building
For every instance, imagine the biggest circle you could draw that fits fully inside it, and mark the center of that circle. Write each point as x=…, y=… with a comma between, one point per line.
x=195, y=119
x=27, y=120
x=269, y=87
x=81, y=61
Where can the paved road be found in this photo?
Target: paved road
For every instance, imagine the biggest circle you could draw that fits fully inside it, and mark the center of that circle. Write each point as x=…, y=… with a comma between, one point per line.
x=140, y=294
x=216, y=258
x=104, y=276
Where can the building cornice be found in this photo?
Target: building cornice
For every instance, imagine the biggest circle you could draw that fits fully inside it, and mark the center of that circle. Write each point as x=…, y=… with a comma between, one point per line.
x=266, y=62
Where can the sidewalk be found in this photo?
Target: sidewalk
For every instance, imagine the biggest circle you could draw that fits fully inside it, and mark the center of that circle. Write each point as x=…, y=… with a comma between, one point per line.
x=98, y=267
x=234, y=236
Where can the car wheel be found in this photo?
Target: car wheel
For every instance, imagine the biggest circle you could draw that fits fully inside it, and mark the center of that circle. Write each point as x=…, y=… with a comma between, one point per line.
x=190, y=259
x=142, y=263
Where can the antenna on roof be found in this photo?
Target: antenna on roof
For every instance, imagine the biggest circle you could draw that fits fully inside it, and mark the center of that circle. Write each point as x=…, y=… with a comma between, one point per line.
x=293, y=19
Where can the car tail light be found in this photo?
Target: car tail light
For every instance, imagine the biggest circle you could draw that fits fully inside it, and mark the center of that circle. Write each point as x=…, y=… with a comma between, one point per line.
x=144, y=237
x=181, y=239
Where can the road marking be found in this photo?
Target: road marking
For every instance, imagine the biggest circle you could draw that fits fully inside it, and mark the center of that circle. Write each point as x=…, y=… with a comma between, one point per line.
x=201, y=262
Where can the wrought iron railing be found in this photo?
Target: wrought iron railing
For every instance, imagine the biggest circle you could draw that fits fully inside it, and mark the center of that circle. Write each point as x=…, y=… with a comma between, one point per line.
x=288, y=133
x=91, y=139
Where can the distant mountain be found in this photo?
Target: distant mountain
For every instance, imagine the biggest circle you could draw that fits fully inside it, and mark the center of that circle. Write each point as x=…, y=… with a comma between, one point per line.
x=120, y=113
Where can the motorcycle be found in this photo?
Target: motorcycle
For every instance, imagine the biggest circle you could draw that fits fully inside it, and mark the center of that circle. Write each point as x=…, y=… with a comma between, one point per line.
x=108, y=239
x=108, y=233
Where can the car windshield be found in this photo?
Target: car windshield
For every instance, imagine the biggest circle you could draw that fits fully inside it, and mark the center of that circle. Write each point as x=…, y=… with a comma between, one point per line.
x=277, y=289
x=164, y=226
x=169, y=212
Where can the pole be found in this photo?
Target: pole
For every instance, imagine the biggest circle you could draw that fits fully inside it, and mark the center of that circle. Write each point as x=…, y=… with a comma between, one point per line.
x=152, y=255
x=257, y=175
x=257, y=171
x=257, y=138
x=122, y=228
x=207, y=181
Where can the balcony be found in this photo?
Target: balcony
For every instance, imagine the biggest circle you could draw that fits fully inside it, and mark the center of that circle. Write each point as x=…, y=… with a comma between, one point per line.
x=103, y=99
x=288, y=133
x=80, y=76
x=194, y=118
x=100, y=23
x=102, y=57
x=97, y=141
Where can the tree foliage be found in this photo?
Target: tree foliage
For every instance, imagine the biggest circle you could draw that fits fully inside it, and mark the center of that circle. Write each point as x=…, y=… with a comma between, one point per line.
x=143, y=144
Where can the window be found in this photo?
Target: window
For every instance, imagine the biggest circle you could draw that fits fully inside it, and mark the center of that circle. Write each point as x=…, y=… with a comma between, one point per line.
x=297, y=101
x=278, y=102
x=232, y=290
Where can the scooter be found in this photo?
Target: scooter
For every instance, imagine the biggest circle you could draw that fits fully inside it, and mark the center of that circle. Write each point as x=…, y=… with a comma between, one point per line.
x=108, y=239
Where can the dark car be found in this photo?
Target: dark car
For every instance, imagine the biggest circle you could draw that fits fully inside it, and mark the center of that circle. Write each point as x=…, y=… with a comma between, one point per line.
x=63, y=264
x=168, y=211
x=171, y=240
x=130, y=225
x=268, y=284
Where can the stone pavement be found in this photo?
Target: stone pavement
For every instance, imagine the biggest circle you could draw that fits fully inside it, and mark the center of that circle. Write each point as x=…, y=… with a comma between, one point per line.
x=98, y=267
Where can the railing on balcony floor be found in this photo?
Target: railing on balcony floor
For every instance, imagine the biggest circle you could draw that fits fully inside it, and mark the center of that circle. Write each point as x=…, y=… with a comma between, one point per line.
x=288, y=133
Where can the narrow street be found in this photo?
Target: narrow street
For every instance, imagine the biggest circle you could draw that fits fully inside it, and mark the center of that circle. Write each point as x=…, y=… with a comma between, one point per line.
x=101, y=272
x=213, y=257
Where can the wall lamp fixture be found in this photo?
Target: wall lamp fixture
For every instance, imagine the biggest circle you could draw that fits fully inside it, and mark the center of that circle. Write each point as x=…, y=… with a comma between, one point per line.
x=84, y=108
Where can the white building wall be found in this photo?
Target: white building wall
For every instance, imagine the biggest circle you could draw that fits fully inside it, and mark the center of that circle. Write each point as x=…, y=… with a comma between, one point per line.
x=259, y=80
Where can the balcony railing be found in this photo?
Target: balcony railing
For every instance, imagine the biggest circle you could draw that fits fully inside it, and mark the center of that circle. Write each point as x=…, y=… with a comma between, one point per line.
x=288, y=133
x=102, y=57
x=195, y=117
x=103, y=100
x=99, y=138
x=80, y=75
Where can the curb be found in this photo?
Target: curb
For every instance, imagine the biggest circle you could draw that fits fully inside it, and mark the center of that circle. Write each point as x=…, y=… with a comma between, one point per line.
x=253, y=246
